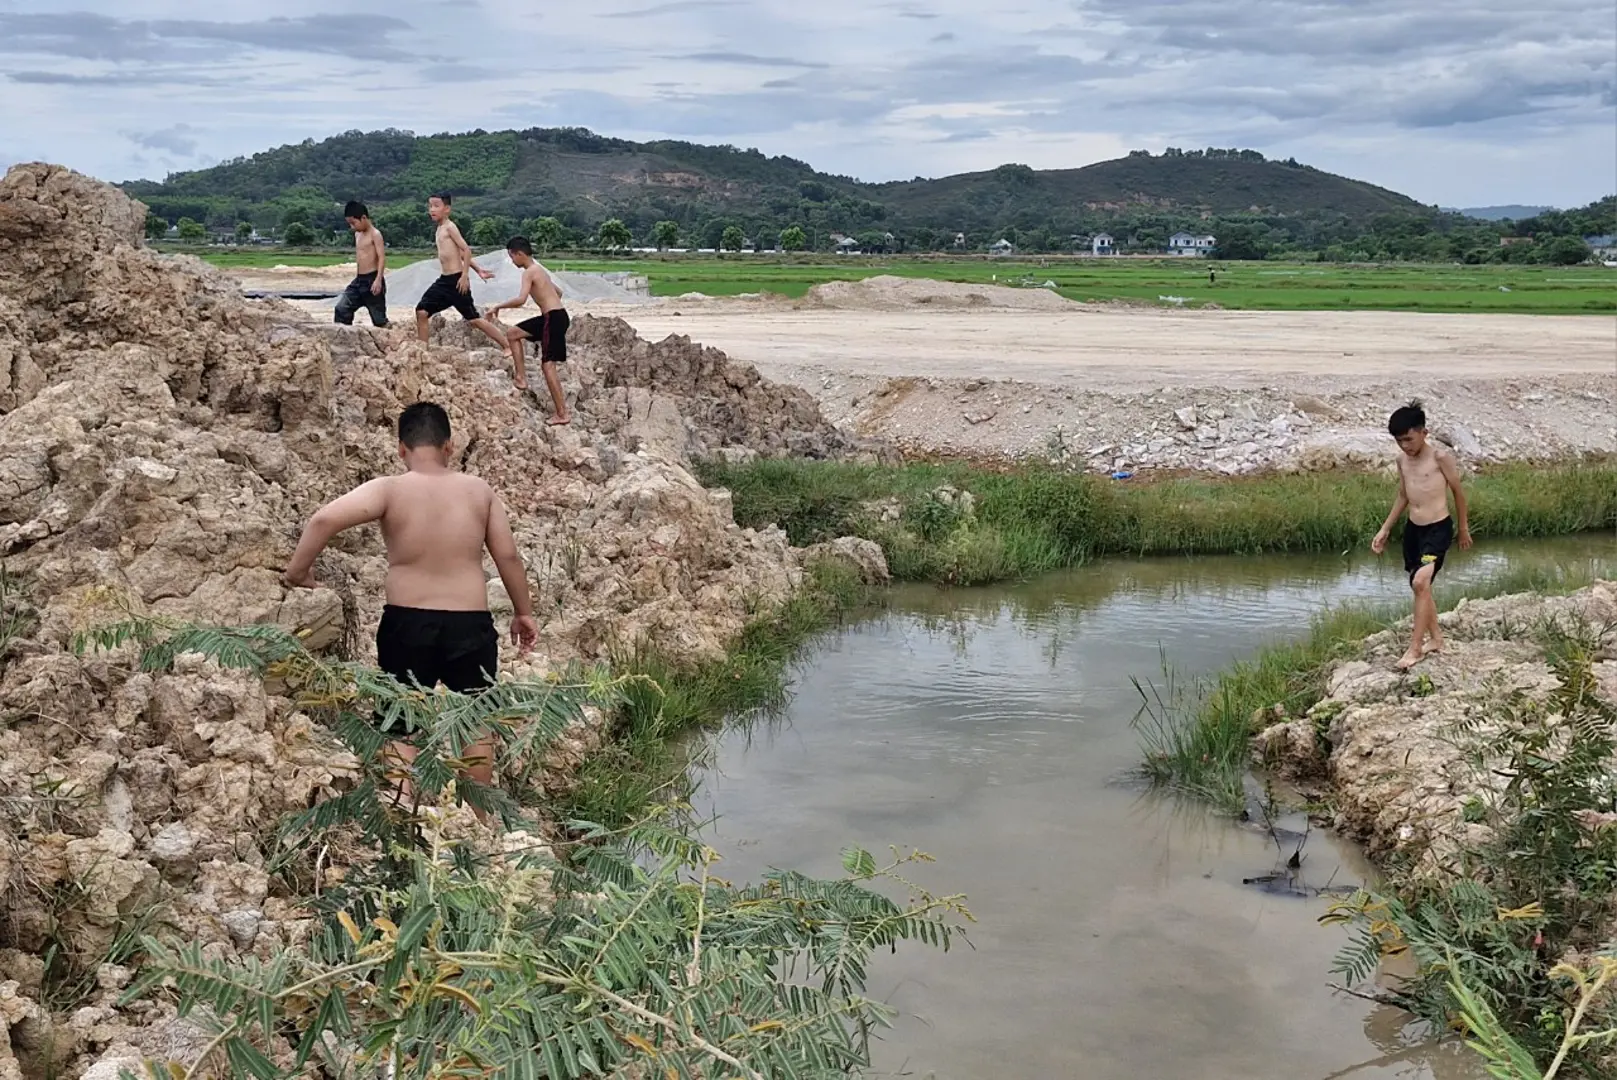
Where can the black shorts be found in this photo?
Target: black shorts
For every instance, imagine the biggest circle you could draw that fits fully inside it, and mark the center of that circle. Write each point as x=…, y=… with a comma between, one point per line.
x=358, y=295
x=460, y=649
x=445, y=293
x=550, y=331
x=1425, y=545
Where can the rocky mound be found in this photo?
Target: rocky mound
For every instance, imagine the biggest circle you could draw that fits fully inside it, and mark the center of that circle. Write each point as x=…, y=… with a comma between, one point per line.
x=162, y=440
x=887, y=292
x=1400, y=772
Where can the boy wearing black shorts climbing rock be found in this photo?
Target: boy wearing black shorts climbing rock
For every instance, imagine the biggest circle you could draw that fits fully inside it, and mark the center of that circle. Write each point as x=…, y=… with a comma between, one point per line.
x=435, y=522
x=1426, y=475
x=368, y=290
x=549, y=329
x=453, y=289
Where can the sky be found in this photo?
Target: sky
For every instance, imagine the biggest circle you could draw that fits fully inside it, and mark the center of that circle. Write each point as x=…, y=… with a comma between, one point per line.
x=1454, y=102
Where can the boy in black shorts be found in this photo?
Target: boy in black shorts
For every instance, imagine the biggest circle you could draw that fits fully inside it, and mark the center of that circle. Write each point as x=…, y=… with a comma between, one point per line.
x=368, y=290
x=549, y=329
x=454, y=288
x=1427, y=473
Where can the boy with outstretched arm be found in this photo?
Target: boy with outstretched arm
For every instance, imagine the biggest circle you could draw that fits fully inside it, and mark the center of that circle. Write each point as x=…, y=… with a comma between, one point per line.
x=1426, y=475
x=435, y=523
x=549, y=328
x=368, y=290
x=453, y=289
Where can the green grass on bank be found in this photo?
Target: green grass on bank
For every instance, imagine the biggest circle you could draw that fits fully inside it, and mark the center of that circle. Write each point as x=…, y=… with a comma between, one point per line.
x=646, y=760
x=1032, y=521
x=1240, y=286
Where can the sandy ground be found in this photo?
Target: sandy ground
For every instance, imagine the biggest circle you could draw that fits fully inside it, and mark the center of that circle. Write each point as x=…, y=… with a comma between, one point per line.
x=984, y=371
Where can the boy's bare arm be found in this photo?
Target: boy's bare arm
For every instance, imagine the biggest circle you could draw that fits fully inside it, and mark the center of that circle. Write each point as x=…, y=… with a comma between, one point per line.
x=1399, y=505
x=1451, y=473
x=466, y=252
x=520, y=298
x=381, y=260
x=502, y=547
x=367, y=502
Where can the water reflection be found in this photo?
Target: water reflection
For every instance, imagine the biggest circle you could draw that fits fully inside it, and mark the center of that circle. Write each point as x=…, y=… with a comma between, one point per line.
x=1117, y=938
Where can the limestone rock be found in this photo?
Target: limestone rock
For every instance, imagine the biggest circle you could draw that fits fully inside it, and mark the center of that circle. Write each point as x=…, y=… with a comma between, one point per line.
x=865, y=556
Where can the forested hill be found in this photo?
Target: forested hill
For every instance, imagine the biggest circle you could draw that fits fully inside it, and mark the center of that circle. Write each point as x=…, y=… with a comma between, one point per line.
x=582, y=178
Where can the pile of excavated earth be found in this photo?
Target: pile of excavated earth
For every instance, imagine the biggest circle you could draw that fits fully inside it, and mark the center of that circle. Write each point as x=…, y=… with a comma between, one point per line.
x=162, y=441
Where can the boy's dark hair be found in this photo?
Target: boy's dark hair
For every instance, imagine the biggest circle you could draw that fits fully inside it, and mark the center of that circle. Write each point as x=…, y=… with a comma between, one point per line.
x=442, y=196
x=1406, y=418
x=355, y=209
x=423, y=424
x=519, y=243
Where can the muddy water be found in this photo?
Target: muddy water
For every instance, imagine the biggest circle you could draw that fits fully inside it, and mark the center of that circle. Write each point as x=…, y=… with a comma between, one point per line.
x=990, y=728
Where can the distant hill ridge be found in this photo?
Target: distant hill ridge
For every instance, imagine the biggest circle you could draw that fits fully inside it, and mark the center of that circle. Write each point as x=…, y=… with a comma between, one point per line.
x=1508, y=212
x=582, y=178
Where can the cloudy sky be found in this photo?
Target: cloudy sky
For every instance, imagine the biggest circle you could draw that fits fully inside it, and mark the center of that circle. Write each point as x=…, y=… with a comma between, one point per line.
x=1458, y=102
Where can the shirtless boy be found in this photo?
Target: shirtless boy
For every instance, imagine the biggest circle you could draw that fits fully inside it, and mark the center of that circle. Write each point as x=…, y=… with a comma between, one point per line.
x=550, y=328
x=435, y=522
x=368, y=290
x=1426, y=475
x=454, y=288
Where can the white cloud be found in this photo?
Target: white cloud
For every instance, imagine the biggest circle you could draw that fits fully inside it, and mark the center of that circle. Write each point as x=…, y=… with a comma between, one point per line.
x=1452, y=101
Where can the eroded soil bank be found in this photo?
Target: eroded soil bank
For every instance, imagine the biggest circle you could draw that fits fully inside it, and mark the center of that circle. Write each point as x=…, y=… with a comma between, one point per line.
x=162, y=441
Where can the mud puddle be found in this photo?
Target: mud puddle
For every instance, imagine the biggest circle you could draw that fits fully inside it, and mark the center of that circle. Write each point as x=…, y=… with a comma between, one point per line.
x=1119, y=935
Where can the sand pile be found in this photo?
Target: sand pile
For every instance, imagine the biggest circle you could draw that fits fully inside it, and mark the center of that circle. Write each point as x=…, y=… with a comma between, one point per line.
x=406, y=284
x=887, y=292
x=162, y=440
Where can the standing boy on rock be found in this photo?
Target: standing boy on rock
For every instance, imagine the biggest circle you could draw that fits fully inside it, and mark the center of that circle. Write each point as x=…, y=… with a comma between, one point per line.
x=549, y=329
x=1426, y=475
x=368, y=290
x=454, y=287
x=435, y=522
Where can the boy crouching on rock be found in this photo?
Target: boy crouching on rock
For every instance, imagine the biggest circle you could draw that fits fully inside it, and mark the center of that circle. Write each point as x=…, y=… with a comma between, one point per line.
x=549, y=329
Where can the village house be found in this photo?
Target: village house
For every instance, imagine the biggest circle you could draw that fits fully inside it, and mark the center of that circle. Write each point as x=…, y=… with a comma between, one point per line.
x=1183, y=243
x=1102, y=244
x=1001, y=246
x=1604, y=247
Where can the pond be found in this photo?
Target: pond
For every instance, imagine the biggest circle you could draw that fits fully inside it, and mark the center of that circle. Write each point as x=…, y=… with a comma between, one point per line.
x=991, y=728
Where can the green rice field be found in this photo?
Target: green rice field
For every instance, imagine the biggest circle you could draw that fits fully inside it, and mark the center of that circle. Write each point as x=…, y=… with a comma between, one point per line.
x=1272, y=286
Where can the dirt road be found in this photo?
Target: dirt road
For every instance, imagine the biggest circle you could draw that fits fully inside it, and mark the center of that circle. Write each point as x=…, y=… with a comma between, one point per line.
x=1123, y=350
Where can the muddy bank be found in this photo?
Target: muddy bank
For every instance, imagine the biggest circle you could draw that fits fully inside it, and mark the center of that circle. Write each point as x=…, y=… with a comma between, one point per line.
x=162, y=441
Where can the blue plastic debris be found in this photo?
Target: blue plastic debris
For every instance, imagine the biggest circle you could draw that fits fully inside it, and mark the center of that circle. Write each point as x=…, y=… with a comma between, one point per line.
x=1121, y=475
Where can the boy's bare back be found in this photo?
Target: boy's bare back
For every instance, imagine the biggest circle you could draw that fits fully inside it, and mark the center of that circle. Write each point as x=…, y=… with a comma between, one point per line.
x=436, y=526
x=1425, y=484
x=538, y=285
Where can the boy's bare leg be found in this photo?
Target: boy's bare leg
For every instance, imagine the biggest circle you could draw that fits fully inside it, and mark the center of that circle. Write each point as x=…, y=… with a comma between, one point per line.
x=513, y=344
x=495, y=333
x=1425, y=616
x=399, y=758
x=421, y=318
x=554, y=383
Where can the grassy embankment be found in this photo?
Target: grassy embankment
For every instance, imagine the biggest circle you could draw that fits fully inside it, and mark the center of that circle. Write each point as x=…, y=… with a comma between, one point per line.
x=1240, y=286
x=1031, y=522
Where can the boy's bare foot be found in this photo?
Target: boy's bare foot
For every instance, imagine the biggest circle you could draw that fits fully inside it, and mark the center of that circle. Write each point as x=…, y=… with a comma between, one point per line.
x=521, y=384
x=1434, y=646
x=560, y=421
x=1408, y=660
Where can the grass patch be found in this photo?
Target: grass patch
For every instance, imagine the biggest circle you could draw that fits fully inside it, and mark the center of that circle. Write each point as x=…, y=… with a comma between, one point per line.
x=1262, y=286
x=646, y=761
x=1029, y=521
x=1195, y=739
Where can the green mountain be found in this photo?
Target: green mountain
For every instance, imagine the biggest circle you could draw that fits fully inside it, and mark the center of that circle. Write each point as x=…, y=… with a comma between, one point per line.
x=508, y=178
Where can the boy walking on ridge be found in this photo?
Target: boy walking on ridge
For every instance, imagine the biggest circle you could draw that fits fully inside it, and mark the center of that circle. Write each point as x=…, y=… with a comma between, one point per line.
x=549, y=329
x=435, y=522
x=368, y=290
x=454, y=287
x=1426, y=475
